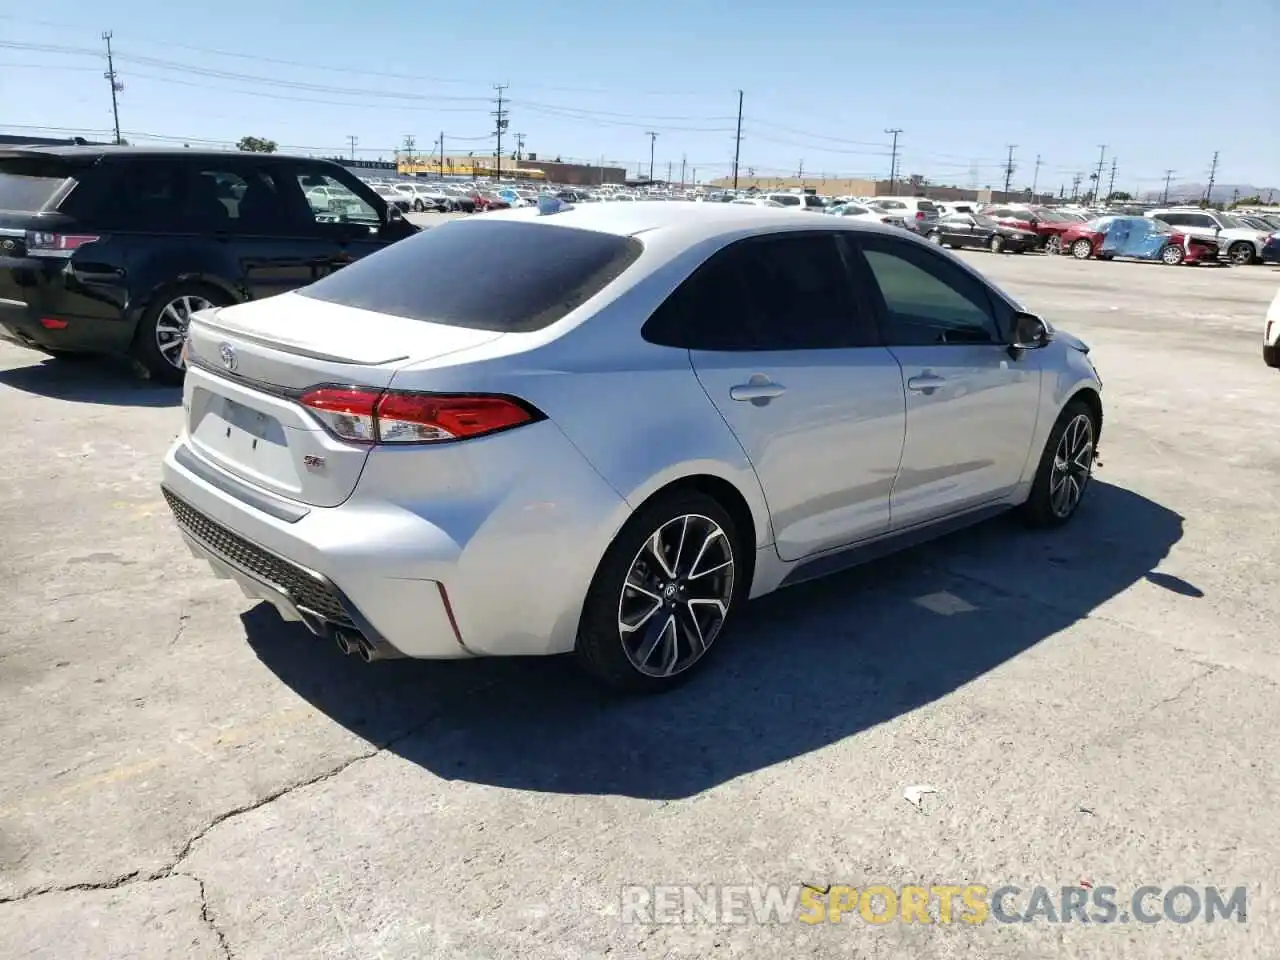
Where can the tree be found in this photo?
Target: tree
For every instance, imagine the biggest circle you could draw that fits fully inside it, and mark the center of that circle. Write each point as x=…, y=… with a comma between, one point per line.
x=256, y=145
x=1254, y=201
x=1120, y=195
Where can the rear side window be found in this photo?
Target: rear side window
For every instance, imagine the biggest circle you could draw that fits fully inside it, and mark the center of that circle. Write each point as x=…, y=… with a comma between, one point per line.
x=786, y=199
x=926, y=206
x=27, y=184
x=507, y=276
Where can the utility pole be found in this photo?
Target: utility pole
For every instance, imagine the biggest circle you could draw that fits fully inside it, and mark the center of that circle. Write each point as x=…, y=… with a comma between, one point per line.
x=408, y=147
x=1112, y=184
x=1035, y=179
x=519, y=147
x=893, y=158
x=684, y=159
x=1075, y=186
x=441, y=153
x=353, y=140
x=800, y=172
x=1213, y=174
x=500, y=116
x=1168, y=175
x=695, y=178
x=737, y=143
x=653, y=141
x=668, y=172
x=116, y=85
x=1097, y=177
x=1008, y=170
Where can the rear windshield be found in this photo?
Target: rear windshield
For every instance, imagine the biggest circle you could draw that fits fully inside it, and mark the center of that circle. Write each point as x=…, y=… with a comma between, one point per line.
x=502, y=275
x=786, y=199
x=925, y=205
x=29, y=183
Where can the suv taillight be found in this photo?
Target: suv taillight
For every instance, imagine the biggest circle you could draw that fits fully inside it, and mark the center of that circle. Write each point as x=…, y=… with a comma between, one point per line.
x=57, y=244
x=373, y=416
x=919, y=214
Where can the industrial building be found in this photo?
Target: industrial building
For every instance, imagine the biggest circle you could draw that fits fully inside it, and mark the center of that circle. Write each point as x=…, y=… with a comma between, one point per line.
x=527, y=167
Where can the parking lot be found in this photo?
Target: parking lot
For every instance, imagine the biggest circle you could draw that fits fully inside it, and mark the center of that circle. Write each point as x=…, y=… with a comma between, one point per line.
x=187, y=776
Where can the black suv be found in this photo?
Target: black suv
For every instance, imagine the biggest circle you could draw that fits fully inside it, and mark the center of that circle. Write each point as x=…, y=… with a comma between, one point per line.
x=111, y=249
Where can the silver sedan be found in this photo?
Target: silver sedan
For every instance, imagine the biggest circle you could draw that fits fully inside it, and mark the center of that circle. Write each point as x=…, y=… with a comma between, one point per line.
x=603, y=429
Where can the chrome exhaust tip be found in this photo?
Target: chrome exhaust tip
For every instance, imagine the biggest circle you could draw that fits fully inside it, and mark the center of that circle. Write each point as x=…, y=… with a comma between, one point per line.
x=348, y=643
x=368, y=652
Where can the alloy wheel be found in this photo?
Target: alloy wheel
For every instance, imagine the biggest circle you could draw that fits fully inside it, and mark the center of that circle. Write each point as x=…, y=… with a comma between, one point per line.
x=1053, y=245
x=1072, y=466
x=1241, y=253
x=1081, y=249
x=676, y=596
x=171, y=326
x=1172, y=255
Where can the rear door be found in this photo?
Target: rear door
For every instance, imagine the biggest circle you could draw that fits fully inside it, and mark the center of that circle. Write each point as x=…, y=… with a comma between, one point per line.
x=783, y=350
x=264, y=226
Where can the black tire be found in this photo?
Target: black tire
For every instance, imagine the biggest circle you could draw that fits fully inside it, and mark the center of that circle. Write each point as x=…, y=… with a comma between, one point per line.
x=1053, y=245
x=419, y=206
x=600, y=648
x=1241, y=253
x=146, y=348
x=935, y=238
x=1040, y=510
x=996, y=245
x=1082, y=249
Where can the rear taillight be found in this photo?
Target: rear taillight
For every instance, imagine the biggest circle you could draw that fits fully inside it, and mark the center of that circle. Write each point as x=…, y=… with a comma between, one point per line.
x=919, y=214
x=57, y=244
x=370, y=416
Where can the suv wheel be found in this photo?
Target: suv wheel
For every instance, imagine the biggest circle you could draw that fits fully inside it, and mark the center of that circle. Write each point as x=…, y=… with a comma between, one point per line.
x=1241, y=252
x=1173, y=254
x=157, y=344
x=663, y=593
x=1082, y=249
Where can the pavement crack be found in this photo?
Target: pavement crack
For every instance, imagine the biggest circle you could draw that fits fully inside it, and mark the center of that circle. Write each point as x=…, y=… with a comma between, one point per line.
x=109, y=884
x=207, y=918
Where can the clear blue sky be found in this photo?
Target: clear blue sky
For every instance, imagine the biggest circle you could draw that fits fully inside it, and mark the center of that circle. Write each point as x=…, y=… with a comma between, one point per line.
x=1163, y=84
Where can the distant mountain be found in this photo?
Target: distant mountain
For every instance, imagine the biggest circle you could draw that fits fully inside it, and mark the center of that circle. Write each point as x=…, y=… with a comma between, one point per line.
x=1222, y=192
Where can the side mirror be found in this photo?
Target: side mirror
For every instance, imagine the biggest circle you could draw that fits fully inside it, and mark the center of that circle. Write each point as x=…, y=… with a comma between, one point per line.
x=394, y=213
x=1029, y=332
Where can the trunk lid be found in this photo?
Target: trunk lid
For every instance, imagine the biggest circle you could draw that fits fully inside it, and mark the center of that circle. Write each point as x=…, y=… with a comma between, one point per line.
x=250, y=364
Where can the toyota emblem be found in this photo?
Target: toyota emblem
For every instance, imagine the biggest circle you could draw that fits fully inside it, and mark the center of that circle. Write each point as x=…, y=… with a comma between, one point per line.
x=228, y=356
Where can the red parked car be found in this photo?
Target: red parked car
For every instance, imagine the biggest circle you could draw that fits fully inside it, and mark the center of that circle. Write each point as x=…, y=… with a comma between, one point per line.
x=1045, y=223
x=489, y=201
x=1137, y=238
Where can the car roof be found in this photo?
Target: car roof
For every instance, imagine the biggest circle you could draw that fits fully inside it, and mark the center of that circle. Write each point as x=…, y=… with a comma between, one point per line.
x=692, y=221
x=111, y=150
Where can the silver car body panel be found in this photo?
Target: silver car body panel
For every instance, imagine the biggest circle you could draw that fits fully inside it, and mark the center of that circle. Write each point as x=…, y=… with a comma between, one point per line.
x=488, y=546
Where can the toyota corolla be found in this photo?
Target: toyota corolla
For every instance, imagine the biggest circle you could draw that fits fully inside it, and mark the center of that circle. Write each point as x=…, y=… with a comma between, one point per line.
x=604, y=429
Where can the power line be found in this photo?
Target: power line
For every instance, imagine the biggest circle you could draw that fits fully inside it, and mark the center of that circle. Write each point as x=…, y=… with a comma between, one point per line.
x=116, y=85
x=893, y=158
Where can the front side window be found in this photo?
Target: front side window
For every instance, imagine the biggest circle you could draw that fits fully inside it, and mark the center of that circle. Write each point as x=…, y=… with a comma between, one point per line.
x=926, y=299
x=781, y=292
x=332, y=201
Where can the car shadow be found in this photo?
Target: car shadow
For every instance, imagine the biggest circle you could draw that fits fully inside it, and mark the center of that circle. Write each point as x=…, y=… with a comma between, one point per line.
x=90, y=379
x=807, y=667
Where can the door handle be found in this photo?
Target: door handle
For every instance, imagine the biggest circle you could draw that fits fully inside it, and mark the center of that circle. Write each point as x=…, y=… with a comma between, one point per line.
x=926, y=382
x=758, y=390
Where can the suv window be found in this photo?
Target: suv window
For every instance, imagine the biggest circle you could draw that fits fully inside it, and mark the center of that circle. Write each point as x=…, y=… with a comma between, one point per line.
x=1200, y=220
x=786, y=291
x=811, y=201
x=242, y=199
x=144, y=194
x=332, y=201
x=1173, y=219
x=926, y=206
x=27, y=184
x=785, y=199
x=927, y=299
x=503, y=275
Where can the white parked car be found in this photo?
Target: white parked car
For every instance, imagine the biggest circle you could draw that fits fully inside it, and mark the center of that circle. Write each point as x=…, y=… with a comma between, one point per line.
x=798, y=201
x=604, y=430
x=1271, y=334
x=857, y=211
x=1240, y=242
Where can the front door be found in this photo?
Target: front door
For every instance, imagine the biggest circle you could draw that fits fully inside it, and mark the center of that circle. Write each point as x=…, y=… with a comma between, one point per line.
x=784, y=352
x=971, y=407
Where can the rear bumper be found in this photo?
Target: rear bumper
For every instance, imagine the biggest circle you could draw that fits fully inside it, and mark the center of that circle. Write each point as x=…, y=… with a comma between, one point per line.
x=488, y=573
x=31, y=291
